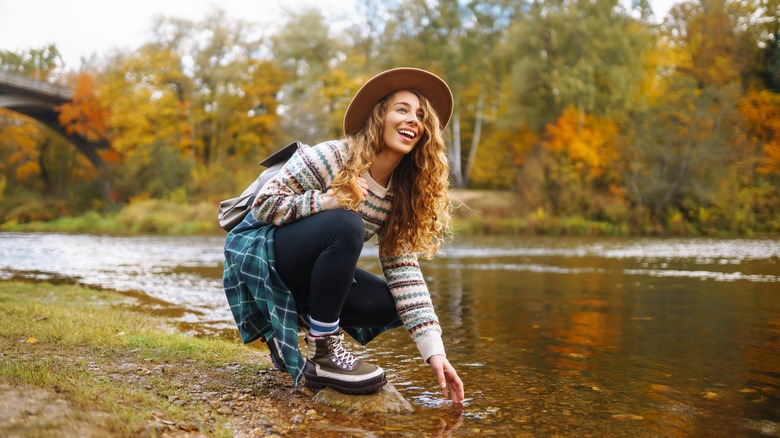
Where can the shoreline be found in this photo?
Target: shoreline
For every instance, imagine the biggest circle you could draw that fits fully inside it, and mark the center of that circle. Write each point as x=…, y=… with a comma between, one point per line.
x=76, y=362
x=475, y=212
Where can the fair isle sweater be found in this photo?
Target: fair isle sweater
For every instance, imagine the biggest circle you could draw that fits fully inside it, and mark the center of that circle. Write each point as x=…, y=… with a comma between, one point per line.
x=302, y=188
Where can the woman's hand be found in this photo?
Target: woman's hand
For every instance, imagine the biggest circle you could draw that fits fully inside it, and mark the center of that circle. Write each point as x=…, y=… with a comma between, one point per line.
x=447, y=377
x=363, y=186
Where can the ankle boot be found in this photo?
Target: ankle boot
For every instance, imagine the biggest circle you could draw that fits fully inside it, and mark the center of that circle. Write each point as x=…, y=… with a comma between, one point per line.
x=276, y=354
x=328, y=364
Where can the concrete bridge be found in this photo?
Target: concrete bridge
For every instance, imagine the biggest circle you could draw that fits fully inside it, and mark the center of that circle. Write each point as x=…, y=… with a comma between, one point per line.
x=38, y=100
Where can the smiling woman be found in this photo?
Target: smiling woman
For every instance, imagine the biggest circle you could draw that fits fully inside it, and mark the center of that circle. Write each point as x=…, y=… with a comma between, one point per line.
x=402, y=129
x=293, y=262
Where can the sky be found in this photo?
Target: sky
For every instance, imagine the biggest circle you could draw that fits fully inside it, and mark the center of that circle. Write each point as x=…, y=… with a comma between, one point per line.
x=82, y=28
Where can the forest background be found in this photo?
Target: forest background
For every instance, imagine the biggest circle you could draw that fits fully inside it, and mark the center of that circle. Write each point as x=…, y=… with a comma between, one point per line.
x=571, y=116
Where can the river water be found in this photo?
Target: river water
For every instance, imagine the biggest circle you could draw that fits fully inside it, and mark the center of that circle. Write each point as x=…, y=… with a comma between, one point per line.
x=577, y=337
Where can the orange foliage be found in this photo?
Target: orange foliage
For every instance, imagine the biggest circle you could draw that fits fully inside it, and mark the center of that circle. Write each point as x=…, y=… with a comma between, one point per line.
x=85, y=115
x=761, y=112
x=588, y=141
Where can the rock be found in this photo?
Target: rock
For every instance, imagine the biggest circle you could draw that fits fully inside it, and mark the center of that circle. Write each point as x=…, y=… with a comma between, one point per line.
x=387, y=400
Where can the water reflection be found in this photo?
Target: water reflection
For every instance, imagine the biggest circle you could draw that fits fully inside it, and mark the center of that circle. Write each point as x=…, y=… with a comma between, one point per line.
x=551, y=336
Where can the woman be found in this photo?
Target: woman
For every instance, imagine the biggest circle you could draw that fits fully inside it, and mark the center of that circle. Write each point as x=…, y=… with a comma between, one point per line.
x=293, y=260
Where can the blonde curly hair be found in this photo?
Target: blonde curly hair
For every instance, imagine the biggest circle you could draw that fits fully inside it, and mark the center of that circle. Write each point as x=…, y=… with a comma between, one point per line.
x=419, y=218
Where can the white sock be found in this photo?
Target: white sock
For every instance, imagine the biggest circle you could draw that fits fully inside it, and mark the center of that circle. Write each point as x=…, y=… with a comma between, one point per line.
x=319, y=328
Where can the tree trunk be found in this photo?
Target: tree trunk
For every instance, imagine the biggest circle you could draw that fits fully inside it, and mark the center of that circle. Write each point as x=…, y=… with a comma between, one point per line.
x=475, y=139
x=47, y=184
x=455, y=166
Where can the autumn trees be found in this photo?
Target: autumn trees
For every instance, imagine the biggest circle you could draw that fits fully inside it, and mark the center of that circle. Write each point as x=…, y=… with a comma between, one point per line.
x=583, y=108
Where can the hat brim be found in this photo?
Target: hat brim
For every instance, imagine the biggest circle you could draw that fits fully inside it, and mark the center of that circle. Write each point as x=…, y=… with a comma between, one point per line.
x=405, y=78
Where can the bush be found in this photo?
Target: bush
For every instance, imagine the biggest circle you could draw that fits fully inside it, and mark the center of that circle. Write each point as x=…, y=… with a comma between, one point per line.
x=37, y=210
x=156, y=216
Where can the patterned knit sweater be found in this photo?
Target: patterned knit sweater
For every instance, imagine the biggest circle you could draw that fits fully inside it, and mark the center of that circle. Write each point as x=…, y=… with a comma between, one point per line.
x=302, y=188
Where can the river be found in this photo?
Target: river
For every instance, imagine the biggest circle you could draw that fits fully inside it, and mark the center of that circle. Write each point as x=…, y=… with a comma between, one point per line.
x=577, y=337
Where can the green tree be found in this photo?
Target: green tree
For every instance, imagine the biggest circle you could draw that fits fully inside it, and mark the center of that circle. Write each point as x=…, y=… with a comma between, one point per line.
x=199, y=97
x=318, y=89
x=147, y=111
x=758, y=22
x=35, y=63
x=576, y=72
x=582, y=53
x=456, y=40
x=688, y=137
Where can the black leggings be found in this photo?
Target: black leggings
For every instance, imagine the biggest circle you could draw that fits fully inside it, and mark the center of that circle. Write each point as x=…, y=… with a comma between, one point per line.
x=316, y=257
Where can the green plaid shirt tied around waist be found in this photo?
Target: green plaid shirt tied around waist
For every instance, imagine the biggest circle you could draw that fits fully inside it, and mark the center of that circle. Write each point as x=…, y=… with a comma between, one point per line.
x=262, y=305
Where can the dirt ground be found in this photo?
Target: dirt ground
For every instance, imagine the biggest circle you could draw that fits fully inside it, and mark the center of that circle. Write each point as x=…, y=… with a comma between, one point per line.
x=268, y=406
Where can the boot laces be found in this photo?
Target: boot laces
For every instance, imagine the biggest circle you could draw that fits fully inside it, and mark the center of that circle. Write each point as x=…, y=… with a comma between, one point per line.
x=339, y=354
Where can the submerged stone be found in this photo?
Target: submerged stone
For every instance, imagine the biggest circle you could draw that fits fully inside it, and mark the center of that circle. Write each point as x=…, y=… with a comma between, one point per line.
x=387, y=400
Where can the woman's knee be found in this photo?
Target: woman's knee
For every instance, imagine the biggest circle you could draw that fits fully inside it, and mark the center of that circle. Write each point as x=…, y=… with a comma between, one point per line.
x=344, y=226
x=369, y=303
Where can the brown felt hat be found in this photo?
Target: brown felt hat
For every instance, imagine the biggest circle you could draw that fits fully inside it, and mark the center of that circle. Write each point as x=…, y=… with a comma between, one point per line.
x=405, y=78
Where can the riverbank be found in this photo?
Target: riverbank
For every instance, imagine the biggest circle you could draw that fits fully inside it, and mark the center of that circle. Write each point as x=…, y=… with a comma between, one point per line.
x=474, y=213
x=77, y=362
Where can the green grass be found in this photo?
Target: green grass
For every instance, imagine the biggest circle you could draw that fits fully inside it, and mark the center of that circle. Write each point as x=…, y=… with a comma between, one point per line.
x=79, y=343
x=498, y=213
x=150, y=216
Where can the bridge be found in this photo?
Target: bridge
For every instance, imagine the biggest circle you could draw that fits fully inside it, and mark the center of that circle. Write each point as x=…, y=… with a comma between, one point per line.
x=38, y=100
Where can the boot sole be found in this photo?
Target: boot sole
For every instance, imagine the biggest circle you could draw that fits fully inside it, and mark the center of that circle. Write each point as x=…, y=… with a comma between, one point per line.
x=352, y=388
x=276, y=355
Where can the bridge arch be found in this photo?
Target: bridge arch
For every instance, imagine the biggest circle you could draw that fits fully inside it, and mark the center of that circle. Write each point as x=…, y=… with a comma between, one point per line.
x=38, y=100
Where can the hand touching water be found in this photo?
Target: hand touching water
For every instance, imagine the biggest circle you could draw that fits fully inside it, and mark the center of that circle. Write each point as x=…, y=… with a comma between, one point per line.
x=447, y=377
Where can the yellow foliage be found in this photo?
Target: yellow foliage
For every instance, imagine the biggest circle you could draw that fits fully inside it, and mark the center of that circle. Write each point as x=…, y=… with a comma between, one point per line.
x=588, y=141
x=20, y=138
x=144, y=107
x=500, y=155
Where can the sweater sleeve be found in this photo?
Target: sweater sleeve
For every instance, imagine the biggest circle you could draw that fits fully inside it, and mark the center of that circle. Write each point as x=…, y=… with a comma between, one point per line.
x=302, y=186
x=413, y=303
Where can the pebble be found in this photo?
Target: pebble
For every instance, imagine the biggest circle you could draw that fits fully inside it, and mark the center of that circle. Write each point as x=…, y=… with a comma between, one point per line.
x=188, y=426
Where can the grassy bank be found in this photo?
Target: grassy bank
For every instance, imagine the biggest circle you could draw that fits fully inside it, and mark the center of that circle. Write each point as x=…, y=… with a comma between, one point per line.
x=149, y=216
x=484, y=212
x=476, y=212
x=74, y=363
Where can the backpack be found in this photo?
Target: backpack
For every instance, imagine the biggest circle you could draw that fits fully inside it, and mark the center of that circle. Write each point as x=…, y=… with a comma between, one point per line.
x=232, y=211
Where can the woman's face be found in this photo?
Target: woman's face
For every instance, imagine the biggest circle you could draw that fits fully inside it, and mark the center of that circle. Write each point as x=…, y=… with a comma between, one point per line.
x=403, y=124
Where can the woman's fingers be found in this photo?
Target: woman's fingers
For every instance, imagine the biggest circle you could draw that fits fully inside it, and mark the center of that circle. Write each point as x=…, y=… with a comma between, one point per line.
x=450, y=383
x=363, y=185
